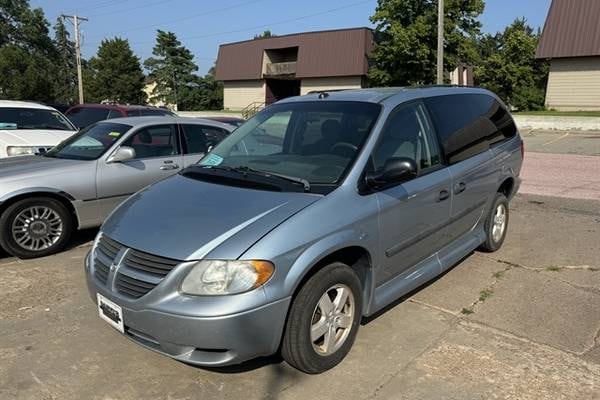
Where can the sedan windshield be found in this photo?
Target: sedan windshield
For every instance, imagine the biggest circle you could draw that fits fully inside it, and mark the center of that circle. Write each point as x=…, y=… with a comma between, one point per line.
x=314, y=142
x=89, y=143
x=33, y=118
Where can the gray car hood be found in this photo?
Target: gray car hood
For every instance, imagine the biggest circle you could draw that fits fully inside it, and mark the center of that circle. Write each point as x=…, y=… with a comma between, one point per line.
x=187, y=219
x=14, y=168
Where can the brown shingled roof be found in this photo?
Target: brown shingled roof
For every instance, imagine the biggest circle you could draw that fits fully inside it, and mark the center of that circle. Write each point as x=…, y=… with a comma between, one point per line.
x=320, y=54
x=572, y=30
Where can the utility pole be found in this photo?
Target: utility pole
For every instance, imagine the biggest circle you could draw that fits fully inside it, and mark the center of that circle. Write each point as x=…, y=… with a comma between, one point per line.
x=75, y=19
x=440, y=43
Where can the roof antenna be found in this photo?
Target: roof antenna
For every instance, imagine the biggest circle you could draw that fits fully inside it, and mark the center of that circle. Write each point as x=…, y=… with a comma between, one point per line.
x=323, y=95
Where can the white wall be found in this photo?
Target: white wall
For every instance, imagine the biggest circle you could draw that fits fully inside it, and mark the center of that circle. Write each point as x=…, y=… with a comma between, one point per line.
x=318, y=84
x=239, y=94
x=574, y=84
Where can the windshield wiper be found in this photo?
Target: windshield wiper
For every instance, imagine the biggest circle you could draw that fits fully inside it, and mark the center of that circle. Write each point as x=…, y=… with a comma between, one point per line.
x=266, y=174
x=294, y=179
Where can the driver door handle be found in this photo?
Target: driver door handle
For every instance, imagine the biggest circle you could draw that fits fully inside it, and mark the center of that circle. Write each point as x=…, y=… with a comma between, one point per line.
x=443, y=195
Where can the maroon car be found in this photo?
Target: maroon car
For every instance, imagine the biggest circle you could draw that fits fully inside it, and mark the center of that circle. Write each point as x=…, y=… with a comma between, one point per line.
x=83, y=115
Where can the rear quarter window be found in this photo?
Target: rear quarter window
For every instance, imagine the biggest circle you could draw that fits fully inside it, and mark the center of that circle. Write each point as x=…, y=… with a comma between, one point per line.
x=468, y=124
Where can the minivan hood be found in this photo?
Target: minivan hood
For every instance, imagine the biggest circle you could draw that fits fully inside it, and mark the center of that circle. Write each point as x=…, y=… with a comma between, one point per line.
x=187, y=219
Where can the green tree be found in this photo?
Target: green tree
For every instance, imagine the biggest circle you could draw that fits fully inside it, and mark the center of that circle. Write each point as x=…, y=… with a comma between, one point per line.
x=65, y=68
x=172, y=68
x=115, y=74
x=406, y=36
x=509, y=67
x=26, y=52
x=265, y=34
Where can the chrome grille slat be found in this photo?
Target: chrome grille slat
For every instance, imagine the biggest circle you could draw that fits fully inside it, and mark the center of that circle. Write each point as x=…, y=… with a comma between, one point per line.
x=138, y=272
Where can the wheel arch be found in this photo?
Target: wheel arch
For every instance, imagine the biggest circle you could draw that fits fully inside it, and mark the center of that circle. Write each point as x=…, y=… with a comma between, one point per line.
x=355, y=256
x=507, y=187
x=63, y=197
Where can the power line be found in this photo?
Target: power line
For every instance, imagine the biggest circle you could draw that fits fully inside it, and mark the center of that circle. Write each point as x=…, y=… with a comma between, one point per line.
x=131, y=8
x=103, y=4
x=267, y=25
x=188, y=17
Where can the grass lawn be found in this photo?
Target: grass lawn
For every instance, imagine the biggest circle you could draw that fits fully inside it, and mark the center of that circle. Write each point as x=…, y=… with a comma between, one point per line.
x=562, y=113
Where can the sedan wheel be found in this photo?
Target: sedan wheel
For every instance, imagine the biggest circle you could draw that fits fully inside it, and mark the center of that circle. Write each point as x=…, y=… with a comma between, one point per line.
x=35, y=227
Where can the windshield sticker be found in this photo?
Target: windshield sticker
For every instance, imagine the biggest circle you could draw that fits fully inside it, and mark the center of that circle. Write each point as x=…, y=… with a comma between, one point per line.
x=212, y=159
x=8, y=125
x=114, y=134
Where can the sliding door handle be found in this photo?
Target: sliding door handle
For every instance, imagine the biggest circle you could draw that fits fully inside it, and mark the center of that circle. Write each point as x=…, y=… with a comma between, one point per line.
x=443, y=195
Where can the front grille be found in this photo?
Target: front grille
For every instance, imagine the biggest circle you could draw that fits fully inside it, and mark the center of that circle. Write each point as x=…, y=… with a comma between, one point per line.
x=138, y=272
x=106, y=251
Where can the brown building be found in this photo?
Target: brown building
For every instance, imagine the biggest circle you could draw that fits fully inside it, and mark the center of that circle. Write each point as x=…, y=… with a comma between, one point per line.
x=571, y=41
x=269, y=69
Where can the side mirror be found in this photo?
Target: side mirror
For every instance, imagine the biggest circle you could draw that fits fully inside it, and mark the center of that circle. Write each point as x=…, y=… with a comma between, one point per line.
x=123, y=153
x=395, y=170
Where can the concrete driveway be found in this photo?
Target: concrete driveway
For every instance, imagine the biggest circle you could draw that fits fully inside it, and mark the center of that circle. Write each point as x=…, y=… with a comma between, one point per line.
x=522, y=323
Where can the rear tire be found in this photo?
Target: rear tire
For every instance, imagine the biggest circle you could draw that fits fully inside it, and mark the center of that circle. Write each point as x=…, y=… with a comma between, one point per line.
x=496, y=224
x=323, y=320
x=35, y=227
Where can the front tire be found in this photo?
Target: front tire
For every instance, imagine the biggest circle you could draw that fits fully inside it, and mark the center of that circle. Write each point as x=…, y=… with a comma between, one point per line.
x=323, y=320
x=35, y=227
x=496, y=224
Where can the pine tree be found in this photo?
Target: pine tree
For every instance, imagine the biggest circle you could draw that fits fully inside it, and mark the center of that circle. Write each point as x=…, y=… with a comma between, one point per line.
x=65, y=70
x=172, y=68
x=115, y=74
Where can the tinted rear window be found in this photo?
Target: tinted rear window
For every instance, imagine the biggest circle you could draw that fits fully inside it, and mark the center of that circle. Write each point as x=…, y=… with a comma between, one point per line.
x=467, y=124
x=83, y=117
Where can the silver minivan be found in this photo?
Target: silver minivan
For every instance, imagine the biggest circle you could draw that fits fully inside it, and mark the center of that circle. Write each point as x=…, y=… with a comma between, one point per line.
x=320, y=210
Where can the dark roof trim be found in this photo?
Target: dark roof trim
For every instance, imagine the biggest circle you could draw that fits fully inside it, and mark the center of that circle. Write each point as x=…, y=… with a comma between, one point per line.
x=296, y=34
x=571, y=30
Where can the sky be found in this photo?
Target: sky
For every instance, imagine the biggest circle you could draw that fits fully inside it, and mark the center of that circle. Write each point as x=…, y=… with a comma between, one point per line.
x=203, y=25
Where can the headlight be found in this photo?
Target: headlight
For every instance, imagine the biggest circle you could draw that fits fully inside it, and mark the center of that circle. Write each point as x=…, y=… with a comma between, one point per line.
x=20, y=150
x=218, y=277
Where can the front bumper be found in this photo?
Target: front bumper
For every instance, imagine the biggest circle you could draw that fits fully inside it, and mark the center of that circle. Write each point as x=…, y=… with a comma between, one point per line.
x=210, y=341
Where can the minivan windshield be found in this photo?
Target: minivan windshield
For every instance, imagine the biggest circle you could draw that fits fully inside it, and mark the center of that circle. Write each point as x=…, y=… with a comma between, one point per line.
x=89, y=143
x=314, y=142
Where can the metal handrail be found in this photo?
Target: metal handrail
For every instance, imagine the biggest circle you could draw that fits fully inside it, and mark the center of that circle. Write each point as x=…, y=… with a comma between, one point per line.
x=251, y=109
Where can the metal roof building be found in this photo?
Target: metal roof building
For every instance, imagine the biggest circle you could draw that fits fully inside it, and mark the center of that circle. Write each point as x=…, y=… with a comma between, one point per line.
x=571, y=41
x=262, y=71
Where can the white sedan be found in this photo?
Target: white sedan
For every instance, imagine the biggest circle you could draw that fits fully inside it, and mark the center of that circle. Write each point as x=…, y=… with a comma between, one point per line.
x=30, y=128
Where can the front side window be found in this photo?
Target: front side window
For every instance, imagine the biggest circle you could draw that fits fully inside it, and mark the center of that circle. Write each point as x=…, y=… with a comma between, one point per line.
x=314, y=141
x=82, y=116
x=33, y=118
x=407, y=134
x=90, y=143
x=154, y=141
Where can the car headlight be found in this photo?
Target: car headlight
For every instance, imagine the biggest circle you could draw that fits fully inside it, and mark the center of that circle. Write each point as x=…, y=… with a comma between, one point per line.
x=21, y=150
x=220, y=277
